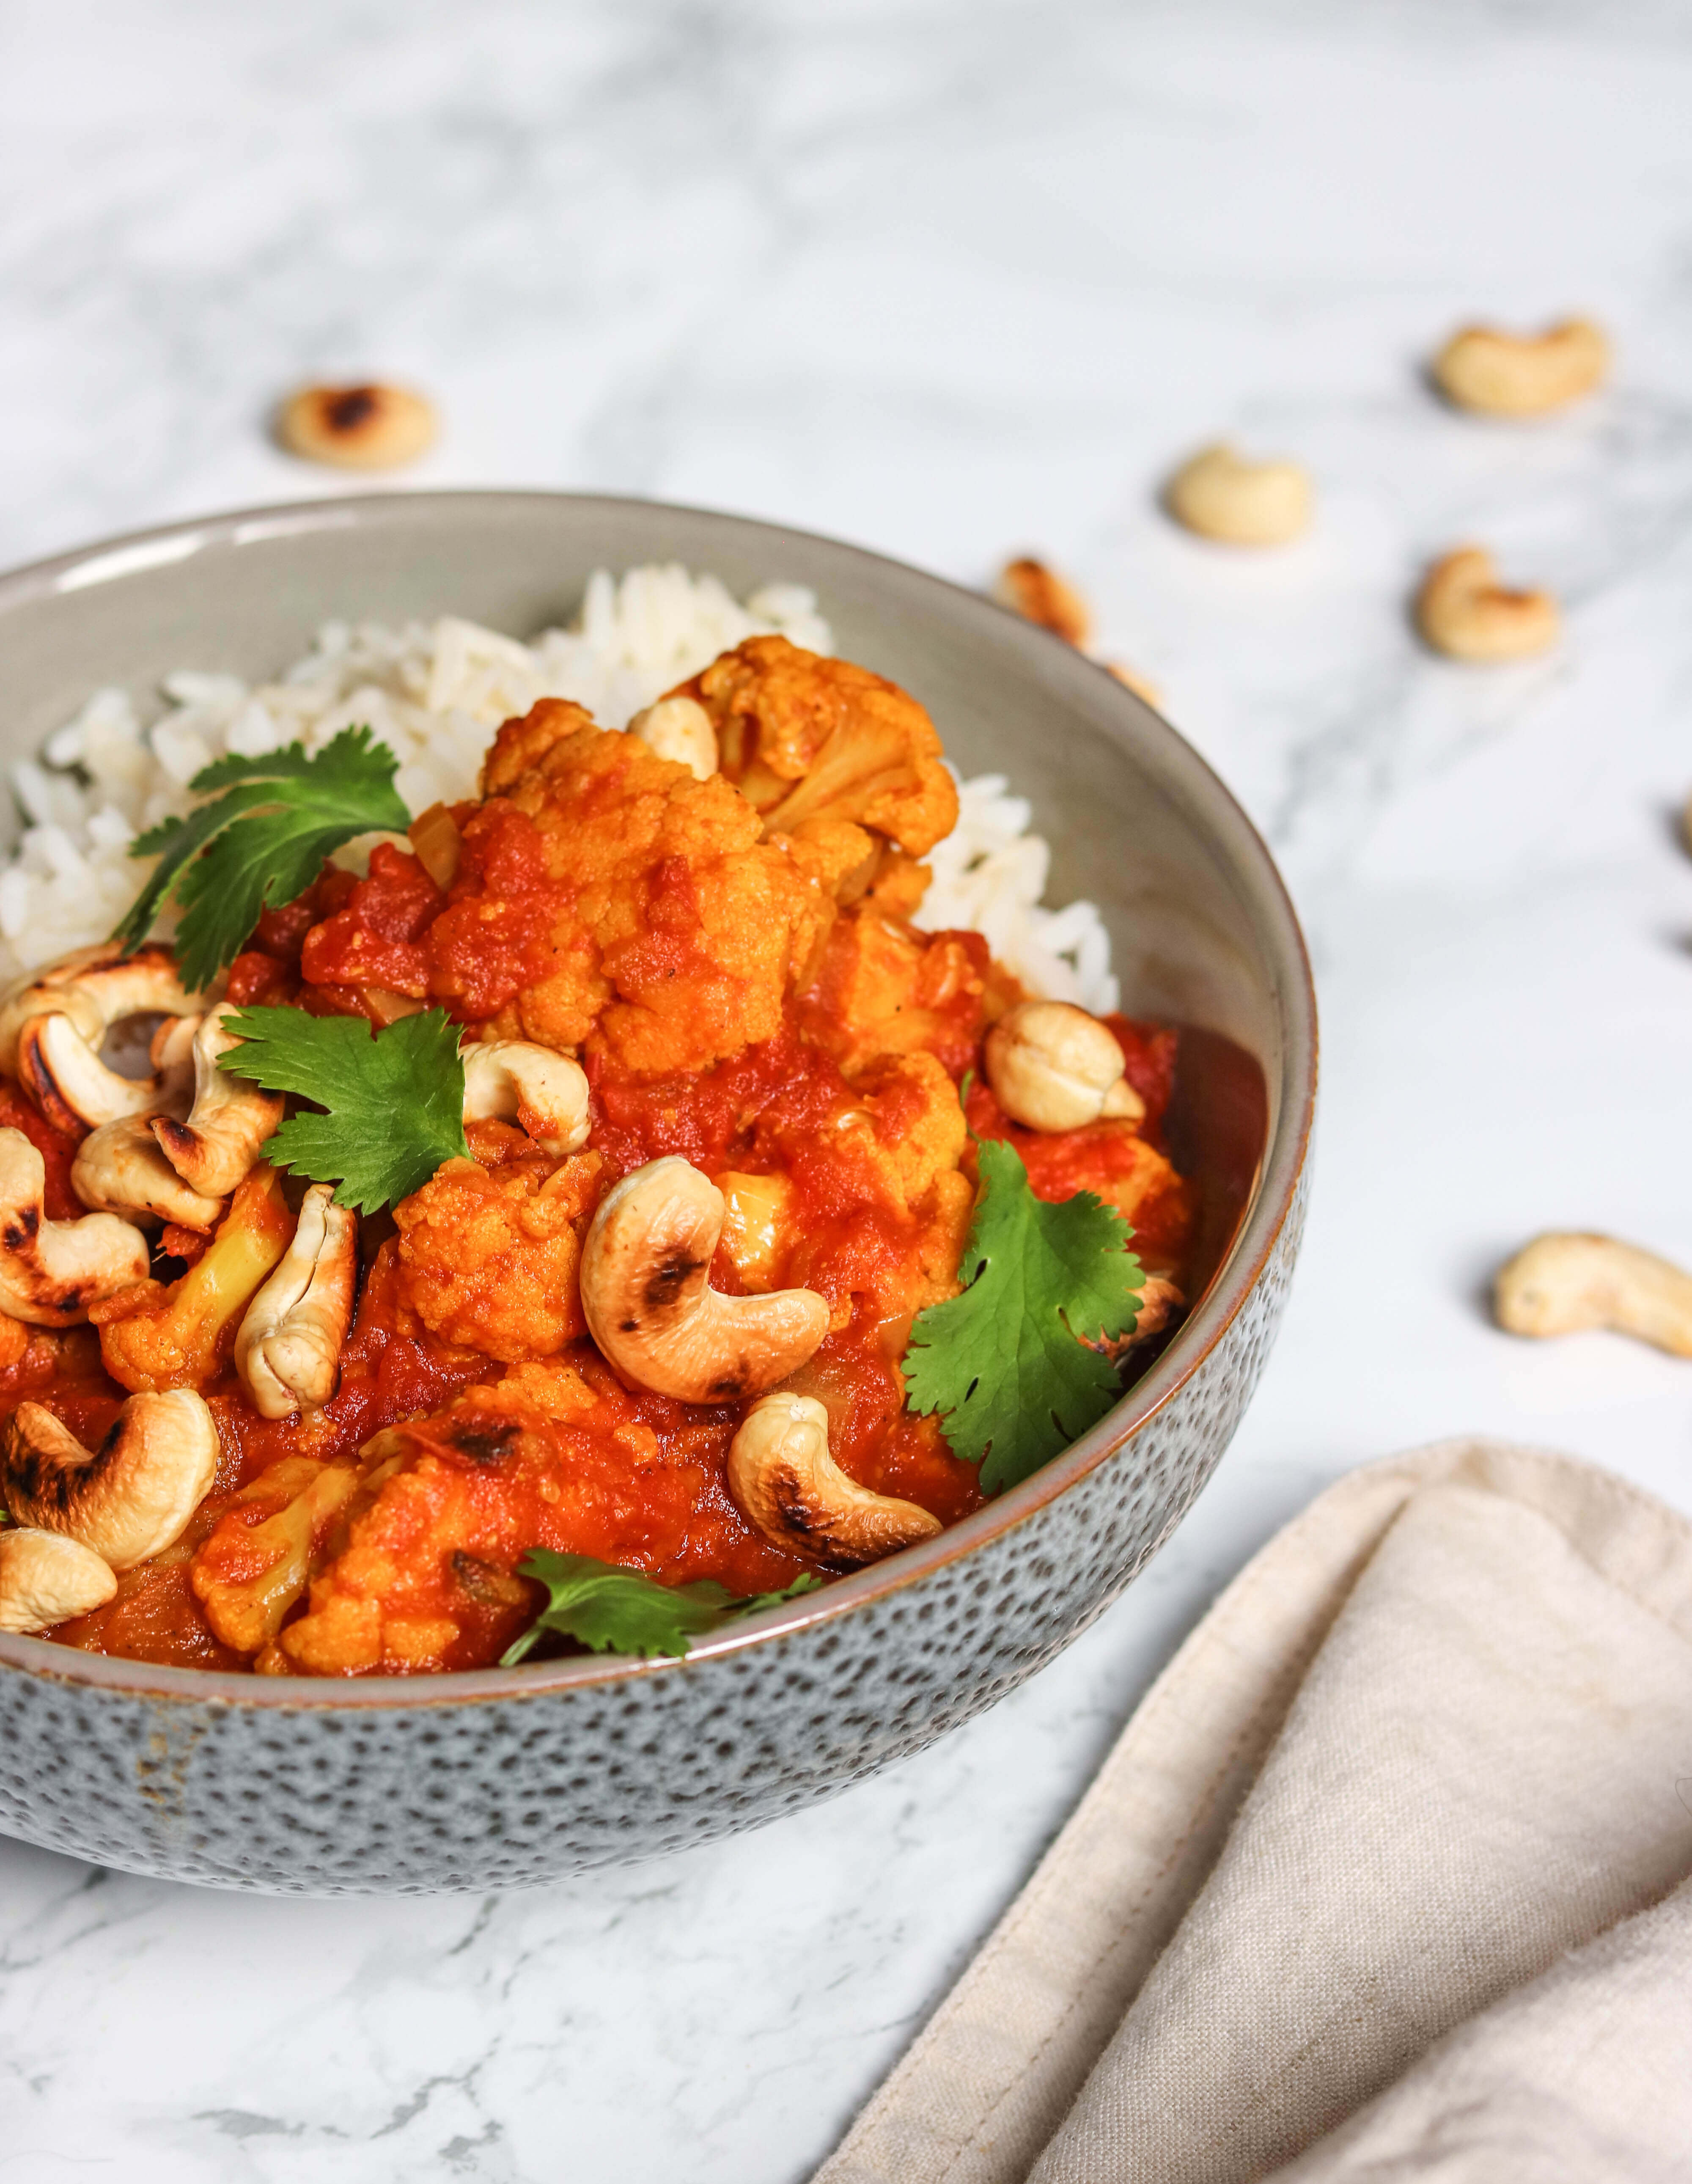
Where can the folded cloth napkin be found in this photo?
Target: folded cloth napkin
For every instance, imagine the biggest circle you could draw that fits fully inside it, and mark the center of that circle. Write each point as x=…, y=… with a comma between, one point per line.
x=1388, y=1877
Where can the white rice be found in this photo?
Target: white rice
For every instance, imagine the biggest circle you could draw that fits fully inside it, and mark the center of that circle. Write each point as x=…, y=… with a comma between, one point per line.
x=435, y=693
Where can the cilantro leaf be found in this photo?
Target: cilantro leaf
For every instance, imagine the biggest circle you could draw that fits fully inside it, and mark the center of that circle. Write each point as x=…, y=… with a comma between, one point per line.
x=395, y=1102
x=1005, y=1362
x=262, y=843
x=611, y=1610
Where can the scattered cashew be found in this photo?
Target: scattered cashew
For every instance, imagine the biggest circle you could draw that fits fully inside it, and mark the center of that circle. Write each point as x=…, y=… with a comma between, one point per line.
x=129, y=1499
x=1560, y=1285
x=120, y=1169
x=96, y=988
x=790, y=1489
x=46, y=1579
x=230, y=1120
x=1463, y=611
x=287, y=1348
x=1221, y=495
x=680, y=729
x=373, y=427
x=52, y=1271
x=647, y=1298
x=1521, y=375
x=513, y=1080
x=1039, y=594
x=1052, y=1066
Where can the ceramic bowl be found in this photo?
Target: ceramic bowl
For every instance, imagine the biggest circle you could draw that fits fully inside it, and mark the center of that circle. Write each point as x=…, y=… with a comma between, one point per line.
x=512, y=1776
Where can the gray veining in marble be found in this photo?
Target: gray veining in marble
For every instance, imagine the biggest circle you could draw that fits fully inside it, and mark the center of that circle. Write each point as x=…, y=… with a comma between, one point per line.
x=950, y=279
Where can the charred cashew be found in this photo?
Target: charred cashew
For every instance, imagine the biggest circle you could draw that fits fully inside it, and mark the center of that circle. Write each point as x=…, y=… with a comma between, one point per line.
x=230, y=1120
x=1521, y=375
x=120, y=1169
x=648, y=1304
x=96, y=988
x=1464, y=611
x=790, y=1489
x=1039, y=594
x=1560, y=1285
x=129, y=1499
x=52, y=1271
x=511, y=1080
x=46, y=1579
x=1052, y=1066
x=287, y=1348
x=361, y=428
x=1221, y=495
x=679, y=728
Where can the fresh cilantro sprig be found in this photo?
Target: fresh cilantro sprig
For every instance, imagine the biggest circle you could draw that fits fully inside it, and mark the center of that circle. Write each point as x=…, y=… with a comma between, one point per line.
x=622, y=1611
x=263, y=843
x=394, y=1102
x=1005, y=1362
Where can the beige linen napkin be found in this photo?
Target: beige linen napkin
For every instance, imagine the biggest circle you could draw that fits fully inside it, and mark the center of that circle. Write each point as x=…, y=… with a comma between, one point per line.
x=1318, y=1906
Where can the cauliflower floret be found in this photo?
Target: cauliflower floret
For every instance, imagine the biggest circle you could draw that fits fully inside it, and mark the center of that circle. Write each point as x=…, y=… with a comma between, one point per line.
x=808, y=738
x=488, y=1258
x=654, y=920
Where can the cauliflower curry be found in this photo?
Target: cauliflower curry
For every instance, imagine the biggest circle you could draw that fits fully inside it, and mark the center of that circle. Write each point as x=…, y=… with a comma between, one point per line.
x=723, y=1105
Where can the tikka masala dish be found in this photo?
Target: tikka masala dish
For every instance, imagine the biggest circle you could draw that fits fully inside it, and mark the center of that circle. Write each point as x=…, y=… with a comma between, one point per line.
x=722, y=1107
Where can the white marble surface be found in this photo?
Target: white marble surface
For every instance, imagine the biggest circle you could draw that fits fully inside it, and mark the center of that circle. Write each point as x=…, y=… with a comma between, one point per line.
x=949, y=279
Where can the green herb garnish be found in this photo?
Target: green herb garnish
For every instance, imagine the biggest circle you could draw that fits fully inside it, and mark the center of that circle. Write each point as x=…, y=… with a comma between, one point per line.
x=394, y=1102
x=1005, y=1362
x=261, y=844
x=622, y=1611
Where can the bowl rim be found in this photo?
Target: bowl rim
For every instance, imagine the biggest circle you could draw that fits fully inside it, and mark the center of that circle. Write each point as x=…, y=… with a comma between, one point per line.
x=1247, y=855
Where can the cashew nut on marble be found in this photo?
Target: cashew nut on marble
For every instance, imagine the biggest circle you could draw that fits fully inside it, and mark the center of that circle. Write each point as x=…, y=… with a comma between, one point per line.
x=373, y=427
x=120, y=1169
x=1563, y=1283
x=1221, y=495
x=1464, y=611
x=230, y=1120
x=46, y=1579
x=96, y=988
x=1039, y=594
x=511, y=1080
x=287, y=1348
x=647, y=1297
x=1505, y=375
x=52, y=1271
x=1052, y=1066
x=790, y=1489
x=679, y=728
x=129, y=1499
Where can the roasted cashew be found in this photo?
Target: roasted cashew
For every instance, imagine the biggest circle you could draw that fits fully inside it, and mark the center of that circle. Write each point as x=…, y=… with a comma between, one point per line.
x=287, y=1348
x=511, y=1080
x=647, y=1297
x=52, y=1271
x=374, y=427
x=1039, y=594
x=679, y=729
x=1221, y=495
x=46, y=1579
x=129, y=1499
x=120, y=1169
x=1052, y=1066
x=1464, y=611
x=230, y=1120
x=96, y=988
x=1521, y=375
x=789, y=1488
x=1560, y=1285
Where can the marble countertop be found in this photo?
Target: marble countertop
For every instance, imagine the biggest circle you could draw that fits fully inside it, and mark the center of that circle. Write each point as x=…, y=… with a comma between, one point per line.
x=951, y=280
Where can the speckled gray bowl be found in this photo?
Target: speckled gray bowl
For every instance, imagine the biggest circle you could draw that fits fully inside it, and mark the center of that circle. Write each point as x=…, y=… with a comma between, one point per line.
x=507, y=1777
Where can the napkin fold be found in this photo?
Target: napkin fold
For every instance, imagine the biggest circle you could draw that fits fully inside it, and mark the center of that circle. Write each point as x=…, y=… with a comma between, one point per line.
x=1383, y=1879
